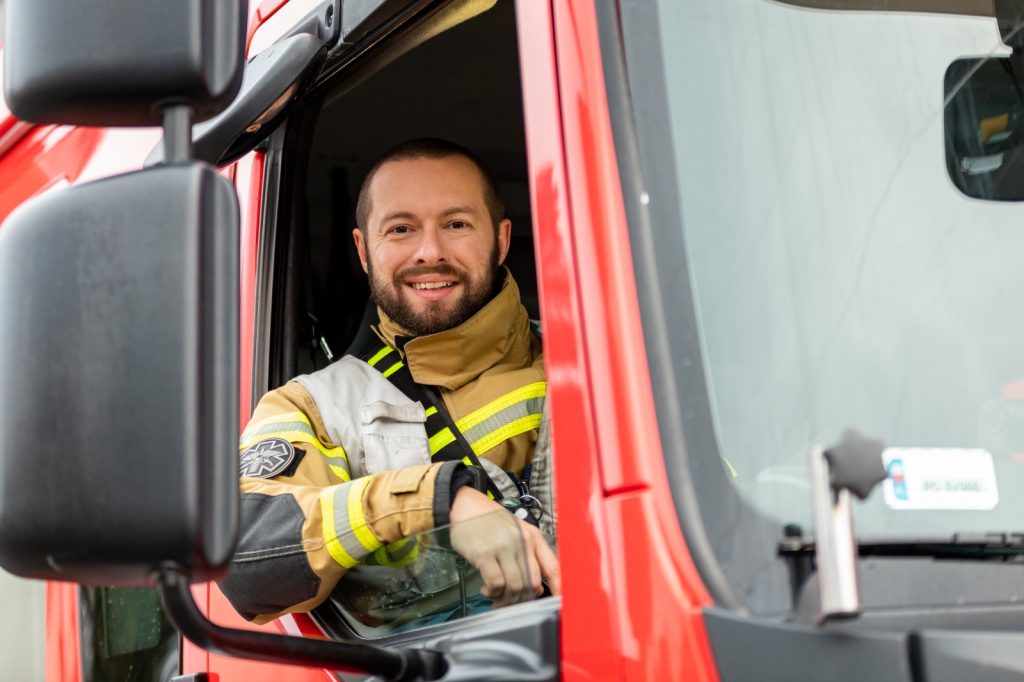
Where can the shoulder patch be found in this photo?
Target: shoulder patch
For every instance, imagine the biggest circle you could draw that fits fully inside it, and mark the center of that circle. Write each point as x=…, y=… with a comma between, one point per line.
x=267, y=458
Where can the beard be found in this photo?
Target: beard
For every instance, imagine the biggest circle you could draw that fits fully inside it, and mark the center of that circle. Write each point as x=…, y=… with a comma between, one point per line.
x=438, y=316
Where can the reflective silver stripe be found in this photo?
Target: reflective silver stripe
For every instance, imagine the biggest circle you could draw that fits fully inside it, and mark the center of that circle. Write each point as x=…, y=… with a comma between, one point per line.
x=401, y=549
x=514, y=412
x=345, y=531
x=275, y=427
x=339, y=462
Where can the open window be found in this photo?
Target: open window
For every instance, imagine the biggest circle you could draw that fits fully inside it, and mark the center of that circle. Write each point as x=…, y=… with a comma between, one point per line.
x=450, y=72
x=454, y=76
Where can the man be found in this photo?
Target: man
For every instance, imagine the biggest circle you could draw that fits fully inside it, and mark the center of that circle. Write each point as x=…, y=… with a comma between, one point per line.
x=340, y=466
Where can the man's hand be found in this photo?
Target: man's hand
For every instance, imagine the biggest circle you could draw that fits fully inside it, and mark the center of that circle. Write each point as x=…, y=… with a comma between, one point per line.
x=495, y=545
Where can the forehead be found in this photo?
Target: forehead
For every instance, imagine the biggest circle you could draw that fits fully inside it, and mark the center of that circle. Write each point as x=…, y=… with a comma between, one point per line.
x=424, y=185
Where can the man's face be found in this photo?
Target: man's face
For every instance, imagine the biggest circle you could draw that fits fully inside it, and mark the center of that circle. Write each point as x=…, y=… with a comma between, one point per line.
x=430, y=248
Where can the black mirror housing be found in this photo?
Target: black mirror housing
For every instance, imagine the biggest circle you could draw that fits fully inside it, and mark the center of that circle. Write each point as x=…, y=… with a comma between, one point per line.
x=118, y=358
x=984, y=127
x=119, y=62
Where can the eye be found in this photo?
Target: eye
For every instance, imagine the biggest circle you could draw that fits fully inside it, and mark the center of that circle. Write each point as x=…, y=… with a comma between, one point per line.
x=458, y=224
x=398, y=229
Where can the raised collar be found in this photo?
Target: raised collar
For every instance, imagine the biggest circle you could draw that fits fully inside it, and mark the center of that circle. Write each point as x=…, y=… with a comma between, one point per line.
x=498, y=334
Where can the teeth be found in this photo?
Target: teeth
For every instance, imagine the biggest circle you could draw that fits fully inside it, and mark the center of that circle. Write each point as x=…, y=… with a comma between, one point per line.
x=431, y=285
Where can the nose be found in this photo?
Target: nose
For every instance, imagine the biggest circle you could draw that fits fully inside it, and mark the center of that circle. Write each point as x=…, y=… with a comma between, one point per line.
x=431, y=247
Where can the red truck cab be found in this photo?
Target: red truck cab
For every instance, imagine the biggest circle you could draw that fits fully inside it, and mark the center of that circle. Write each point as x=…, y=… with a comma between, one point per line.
x=745, y=227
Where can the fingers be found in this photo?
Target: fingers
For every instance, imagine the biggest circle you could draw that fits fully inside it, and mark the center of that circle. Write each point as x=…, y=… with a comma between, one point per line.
x=535, y=573
x=513, y=568
x=543, y=562
x=493, y=577
x=549, y=567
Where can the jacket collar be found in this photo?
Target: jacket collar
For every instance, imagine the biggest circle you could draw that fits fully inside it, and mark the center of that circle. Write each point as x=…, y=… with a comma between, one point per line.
x=499, y=333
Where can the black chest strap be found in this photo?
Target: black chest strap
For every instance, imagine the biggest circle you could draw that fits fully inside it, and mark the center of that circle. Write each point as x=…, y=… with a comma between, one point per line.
x=445, y=440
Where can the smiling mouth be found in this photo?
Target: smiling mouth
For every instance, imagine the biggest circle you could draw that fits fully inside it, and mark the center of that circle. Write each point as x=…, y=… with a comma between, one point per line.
x=426, y=286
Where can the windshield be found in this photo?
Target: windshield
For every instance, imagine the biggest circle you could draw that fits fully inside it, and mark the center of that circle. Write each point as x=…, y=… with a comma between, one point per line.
x=840, y=278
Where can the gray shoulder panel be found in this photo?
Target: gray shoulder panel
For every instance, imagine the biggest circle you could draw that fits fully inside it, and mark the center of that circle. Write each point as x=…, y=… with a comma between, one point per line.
x=270, y=571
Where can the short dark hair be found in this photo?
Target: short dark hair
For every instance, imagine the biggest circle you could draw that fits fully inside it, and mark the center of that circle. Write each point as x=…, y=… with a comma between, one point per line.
x=431, y=148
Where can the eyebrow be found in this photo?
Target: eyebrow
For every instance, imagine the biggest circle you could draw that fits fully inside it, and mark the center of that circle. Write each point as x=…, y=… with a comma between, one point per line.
x=397, y=215
x=458, y=209
x=406, y=215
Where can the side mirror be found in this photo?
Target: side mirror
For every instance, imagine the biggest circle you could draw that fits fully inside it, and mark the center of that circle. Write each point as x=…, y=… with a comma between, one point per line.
x=119, y=62
x=984, y=127
x=119, y=326
x=118, y=352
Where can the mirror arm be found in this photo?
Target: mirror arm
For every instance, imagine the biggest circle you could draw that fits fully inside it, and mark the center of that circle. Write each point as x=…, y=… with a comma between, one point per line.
x=177, y=122
x=181, y=610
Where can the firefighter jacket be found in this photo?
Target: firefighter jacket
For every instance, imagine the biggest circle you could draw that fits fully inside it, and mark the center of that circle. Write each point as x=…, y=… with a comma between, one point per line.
x=337, y=465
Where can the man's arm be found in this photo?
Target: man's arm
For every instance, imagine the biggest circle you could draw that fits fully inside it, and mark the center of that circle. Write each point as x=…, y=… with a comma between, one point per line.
x=304, y=526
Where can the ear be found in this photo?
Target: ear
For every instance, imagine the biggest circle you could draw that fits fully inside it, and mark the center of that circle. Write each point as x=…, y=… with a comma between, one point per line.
x=357, y=237
x=504, y=239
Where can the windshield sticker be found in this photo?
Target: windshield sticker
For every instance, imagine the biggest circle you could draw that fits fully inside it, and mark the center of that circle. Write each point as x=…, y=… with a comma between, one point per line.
x=939, y=478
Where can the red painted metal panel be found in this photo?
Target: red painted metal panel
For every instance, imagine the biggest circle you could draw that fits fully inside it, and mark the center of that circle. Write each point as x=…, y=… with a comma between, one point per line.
x=588, y=638
x=654, y=579
x=241, y=670
x=46, y=156
x=662, y=634
x=611, y=315
x=193, y=658
x=263, y=11
x=63, y=661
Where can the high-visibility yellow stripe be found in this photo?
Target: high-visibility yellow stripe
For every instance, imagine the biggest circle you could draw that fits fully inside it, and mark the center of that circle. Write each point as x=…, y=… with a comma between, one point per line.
x=535, y=390
x=502, y=434
x=304, y=437
x=383, y=352
x=353, y=523
x=341, y=472
x=406, y=551
x=517, y=400
x=334, y=547
x=300, y=437
x=430, y=411
x=441, y=439
x=392, y=369
x=290, y=436
x=357, y=519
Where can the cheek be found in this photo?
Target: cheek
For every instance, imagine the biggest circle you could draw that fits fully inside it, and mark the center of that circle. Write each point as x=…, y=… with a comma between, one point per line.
x=475, y=256
x=386, y=259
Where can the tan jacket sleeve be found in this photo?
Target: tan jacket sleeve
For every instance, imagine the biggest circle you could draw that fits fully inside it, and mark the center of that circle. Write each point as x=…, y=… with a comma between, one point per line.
x=305, y=526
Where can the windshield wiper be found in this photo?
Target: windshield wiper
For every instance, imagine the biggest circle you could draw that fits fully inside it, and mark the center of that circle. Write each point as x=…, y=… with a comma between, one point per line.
x=963, y=546
x=854, y=467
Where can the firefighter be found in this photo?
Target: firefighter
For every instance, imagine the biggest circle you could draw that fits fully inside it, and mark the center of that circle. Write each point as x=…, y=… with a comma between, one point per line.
x=433, y=424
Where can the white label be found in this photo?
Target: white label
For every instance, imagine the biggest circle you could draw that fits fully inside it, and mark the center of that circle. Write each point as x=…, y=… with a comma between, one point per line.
x=939, y=478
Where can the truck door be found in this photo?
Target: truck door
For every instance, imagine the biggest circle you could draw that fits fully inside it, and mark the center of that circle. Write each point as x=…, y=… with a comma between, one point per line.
x=457, y=65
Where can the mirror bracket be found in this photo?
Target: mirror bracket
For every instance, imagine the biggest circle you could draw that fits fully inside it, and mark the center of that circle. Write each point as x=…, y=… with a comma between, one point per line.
x=851, y=467
x=399, y=665
x=177, y=123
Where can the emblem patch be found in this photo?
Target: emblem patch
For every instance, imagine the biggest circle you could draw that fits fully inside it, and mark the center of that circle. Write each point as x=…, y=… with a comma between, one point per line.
x=267, y=458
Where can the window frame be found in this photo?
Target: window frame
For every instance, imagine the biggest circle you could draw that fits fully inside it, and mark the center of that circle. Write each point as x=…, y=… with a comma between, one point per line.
x=534, y=625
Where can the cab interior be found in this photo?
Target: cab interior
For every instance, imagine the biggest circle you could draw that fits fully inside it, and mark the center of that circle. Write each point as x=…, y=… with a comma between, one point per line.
x=456, y=79
x=461, y=84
